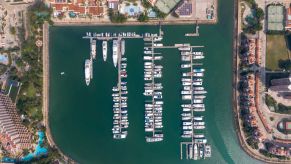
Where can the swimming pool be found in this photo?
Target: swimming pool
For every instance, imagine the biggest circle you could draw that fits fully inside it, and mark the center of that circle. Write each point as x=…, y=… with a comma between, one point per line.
x=39, y=151
x=4, y=59
x=132, y=10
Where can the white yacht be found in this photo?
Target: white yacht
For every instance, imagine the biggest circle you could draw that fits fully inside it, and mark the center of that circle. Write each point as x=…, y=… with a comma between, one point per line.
x=88, y=71
x=195, y=152
x=154, y=139
x=104, y=50
x=207, y=151
x=93, y=49
x=122, y=47
x=115, y=52
x=198, y=57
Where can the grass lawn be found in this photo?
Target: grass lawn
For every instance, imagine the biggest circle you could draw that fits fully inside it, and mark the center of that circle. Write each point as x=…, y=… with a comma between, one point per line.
x=31, y=91
x=35, y=113
x=276, y=50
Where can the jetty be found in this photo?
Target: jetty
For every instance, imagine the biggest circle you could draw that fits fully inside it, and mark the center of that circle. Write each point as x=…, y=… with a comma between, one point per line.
x=153, y=107
x=197, y=148
x=111, y=36
x=120, y=117
x=196, y=33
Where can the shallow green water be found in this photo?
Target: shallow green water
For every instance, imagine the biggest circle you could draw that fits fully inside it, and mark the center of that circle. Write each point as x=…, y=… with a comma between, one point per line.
x=81, y=117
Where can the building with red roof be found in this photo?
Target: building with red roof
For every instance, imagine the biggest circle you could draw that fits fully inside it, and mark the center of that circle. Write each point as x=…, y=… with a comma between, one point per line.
x=288, y=19
x=14, y=136
x=78, y=7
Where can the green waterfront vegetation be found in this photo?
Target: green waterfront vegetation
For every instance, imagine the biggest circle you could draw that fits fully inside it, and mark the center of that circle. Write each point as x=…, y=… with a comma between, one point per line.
x=28, y=71
x=30, y=96
x=277, y=107
x=254, y=23
x=270, y=101
x=160, y=14
x=116, y=17
x=270, y=155
x=146, y=4
x=81, y=116
x=143, y=17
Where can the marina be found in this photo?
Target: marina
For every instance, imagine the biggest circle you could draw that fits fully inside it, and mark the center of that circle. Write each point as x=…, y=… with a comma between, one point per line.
x=153, y=91
x=119, y=92
x=85, y=115
x=120, y=117
x=153, y=107
x=193, y=93
x=93, y=116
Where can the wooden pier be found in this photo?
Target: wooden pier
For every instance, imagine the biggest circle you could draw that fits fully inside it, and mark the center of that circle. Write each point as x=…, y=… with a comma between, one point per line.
x=153, y=87
x=192, y=111
x=191, y=144
x=174, y=46
x=119, y=82
x=153, y=101
x=113, y=36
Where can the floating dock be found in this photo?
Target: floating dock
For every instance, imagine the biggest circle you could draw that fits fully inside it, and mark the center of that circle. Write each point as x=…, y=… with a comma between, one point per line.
x=153, y=109
x=196, y=33
x=120, y=117
x=196, y=148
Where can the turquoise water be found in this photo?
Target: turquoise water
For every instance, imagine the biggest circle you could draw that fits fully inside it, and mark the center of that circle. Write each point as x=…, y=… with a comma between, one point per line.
x=81, y=117
x=39, y=151
x=3, y=58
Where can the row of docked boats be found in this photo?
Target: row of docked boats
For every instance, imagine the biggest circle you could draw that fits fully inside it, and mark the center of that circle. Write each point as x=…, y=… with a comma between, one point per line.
x=154, y=97
x=152, y=37
x=120, y=115
x=193, y=95
x=118, y=47
x=199, y=151
x=187, y=56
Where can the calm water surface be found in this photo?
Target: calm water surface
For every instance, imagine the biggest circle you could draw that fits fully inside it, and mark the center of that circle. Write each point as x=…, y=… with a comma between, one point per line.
x=81, y=117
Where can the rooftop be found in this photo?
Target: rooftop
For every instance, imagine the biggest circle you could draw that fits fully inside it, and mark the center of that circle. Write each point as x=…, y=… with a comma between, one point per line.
x=14, y=136
x=185, y=9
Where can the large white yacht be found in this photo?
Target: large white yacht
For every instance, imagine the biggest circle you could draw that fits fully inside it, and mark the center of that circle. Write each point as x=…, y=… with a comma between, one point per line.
x=88, y=71
x=115, y=52
x=93, y=49
x=122, y=47
x=104, y=50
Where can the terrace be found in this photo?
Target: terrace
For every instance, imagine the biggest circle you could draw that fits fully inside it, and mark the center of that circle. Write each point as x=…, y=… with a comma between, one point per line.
x=78, y=8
